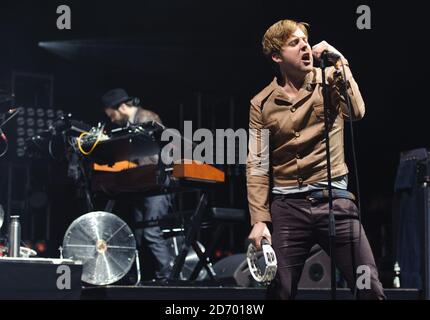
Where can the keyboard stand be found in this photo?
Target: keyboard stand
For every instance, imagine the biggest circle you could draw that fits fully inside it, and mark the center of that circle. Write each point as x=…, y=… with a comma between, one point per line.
x=190, y=241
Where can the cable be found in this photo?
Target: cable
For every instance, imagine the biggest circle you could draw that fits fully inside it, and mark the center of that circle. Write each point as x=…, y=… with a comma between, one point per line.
x=83, y=134
x=354, y=153
x=72, y=141
x=355, y=164
x=50, y=150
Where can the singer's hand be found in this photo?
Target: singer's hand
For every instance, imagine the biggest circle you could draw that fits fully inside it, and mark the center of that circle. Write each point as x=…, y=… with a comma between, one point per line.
x=258, y=232
x=319, y=48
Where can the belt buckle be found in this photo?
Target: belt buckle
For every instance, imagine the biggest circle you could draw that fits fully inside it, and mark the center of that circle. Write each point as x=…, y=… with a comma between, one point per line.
x=312, y=199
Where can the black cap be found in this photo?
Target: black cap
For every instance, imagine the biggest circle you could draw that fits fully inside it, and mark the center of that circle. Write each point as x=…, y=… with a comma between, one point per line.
x=113, y=98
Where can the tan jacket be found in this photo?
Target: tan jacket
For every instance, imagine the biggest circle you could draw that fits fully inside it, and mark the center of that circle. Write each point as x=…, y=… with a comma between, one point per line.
x=148, y=156
x=293, y=154
x=144, y=115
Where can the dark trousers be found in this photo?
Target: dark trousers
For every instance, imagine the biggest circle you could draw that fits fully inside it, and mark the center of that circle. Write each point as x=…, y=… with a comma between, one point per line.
x=153, y=208
x=298, y=224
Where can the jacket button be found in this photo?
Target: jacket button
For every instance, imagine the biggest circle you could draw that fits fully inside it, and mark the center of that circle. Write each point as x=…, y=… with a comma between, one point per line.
x=293, y=109
x=297, y=134
x=300, y=180
x=297, y=156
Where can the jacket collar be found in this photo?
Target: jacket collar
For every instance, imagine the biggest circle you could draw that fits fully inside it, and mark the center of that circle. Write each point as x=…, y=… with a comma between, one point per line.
x=311, y=79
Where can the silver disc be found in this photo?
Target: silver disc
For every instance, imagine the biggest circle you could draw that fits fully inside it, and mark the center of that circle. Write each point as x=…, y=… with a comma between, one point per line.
x=104, y=243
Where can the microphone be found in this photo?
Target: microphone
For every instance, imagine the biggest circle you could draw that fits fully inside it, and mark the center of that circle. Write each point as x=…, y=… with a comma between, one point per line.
x=330, y=56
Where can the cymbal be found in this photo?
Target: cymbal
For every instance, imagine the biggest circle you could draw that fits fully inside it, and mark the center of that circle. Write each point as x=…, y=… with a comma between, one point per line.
x=104, y=243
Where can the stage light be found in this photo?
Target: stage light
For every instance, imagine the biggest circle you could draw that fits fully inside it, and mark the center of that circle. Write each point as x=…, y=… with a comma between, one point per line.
x=33, y=121
x=30, y=132
x=20, y=121
x=30, y=122
x=40, y=246
x=20, y=131
x=20, y=152
x=40, y=112
x=20, y=142
x=40, y=123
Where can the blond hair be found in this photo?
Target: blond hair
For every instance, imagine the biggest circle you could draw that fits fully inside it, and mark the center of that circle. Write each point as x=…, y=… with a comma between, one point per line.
x=275, y=37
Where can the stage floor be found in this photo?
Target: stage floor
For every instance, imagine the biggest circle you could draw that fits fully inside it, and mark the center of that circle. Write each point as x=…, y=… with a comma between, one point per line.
x=148, y=292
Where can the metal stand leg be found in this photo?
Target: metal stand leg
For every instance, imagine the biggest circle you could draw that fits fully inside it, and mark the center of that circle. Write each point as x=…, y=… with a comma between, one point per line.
x=332, y=222
x=204, y=260
x=109, y=206
x=137, y=261
x=190, y=238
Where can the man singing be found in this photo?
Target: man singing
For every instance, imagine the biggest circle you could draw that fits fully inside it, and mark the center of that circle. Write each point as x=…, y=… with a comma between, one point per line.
x=287, y=172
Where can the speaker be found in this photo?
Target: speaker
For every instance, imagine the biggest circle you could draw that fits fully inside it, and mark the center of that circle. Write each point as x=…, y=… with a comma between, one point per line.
x=233, y=270
x=316, y=272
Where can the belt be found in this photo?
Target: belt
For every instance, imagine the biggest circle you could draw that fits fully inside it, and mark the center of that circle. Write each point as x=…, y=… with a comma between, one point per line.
x=319, y=195
x=336, y=194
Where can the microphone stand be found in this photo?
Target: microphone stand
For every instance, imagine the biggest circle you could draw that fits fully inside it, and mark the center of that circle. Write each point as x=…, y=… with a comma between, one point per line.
x=332, y=223
x=2, y=135
x=14, y=113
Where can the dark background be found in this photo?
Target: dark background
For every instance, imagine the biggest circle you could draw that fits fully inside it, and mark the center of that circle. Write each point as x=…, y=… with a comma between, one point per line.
x=172, y=52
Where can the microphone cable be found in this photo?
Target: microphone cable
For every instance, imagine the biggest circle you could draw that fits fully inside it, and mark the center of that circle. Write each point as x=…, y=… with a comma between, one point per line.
x=355, y=165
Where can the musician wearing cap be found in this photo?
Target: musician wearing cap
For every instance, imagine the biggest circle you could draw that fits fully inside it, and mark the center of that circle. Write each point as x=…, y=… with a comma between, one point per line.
x=124, y=110
x=287, y=171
